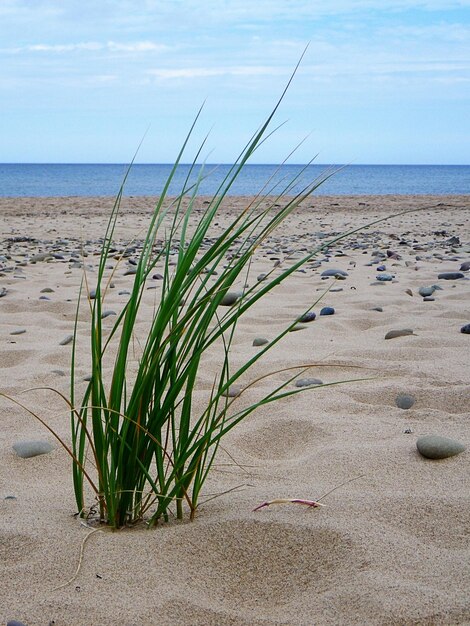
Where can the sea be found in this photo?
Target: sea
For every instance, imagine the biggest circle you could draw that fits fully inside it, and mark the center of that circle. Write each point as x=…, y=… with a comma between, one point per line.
x=53, y=179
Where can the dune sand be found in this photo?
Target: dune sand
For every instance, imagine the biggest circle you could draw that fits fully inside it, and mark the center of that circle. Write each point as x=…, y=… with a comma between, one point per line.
x=389, y=547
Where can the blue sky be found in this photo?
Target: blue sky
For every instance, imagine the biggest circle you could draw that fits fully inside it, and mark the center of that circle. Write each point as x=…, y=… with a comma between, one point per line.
x=382, y=81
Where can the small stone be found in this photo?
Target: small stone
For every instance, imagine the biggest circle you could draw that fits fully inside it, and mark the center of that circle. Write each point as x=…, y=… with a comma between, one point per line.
x=260, y=341
x=92, y=294
x=392, y=334
x=297, y=327
x=15, y=622
x=27, y=449
x=404, y=401
x=18, y=331
x=465, y=266
x=377, y=308
x=157, y=277
x=408, y=431
x=124, y=293
x=409, y=292
x=451, y=275
x=66, y=340
x=44, y=298
x=233, y=391
x=327, y=310
x=10, y=498
x=334, y=272
x=465, y=329
x=43, y=256
x=381, y=268
x=437, y=447
x=3, y=292
x=429, y=299
x=107, y=314
x=58, y=372
x=230, y=298
x=426, y=291
x=130, y=272
x=47, y=290
x=308, y=382
x=384, y=277
x=307, y=317
x=261, y=277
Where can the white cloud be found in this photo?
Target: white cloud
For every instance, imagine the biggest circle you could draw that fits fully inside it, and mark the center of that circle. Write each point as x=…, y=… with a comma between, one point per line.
x=90, y=46
x=201, y=72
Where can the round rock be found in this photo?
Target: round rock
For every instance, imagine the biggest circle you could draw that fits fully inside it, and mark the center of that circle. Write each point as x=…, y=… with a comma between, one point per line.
x=465, y=329
x=28, y=449
x=437, y=447
x=426, y=291
x=327, y=310
x=233, y=391
x=230, y=298
x=404, y=401
x=384, y=278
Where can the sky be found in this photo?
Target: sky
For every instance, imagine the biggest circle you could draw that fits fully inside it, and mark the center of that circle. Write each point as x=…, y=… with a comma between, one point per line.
x=381, y=81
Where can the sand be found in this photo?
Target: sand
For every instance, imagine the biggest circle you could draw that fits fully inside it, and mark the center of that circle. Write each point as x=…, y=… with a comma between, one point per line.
x=390, y=546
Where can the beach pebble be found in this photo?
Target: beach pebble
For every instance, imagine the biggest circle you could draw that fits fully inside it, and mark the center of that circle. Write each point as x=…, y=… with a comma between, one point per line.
x=43, y=256
x=124, y=293
x=230, y=298
x=465, y=266
x=381, y=268
x=261, y=277
x=465, y=329
x=392, y=334
x=131, y=271
x=260, y=341
x=429, y=299
x=157, y=277
x=18, y=331
x=47, y=290
x=451, y=275
x=404, y=401
x=233, y=391
x=15, y=622
x=107, y=314
x=66, y=340
x=377, y=308
x=297, y=327
x=308, y=382
x=437, y=447
x=426, y=291
x=334, y=272
x=384, y=277
x=3, y=292
x=27, y=449
x=307, y=317
x=327, y=310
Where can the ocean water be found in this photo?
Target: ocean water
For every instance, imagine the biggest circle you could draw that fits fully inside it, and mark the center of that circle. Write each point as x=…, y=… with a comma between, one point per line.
x=38, y=180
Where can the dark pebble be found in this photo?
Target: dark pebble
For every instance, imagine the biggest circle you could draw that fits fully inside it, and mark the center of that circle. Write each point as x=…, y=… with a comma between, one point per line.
x=465, y=329
x=230, y=298
x=465, y=266
x=451, y=275
x=334, y=272
x=327, y=310
x=260, y=341
x=377, y=308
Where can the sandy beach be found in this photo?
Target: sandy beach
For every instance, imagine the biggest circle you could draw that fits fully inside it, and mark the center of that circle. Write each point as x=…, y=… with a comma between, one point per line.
x=390, y=546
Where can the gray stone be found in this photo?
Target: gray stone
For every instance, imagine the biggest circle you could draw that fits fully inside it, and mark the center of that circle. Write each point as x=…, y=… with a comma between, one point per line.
x=451, y=275
x=233, y=391
x=15, y=622
x=47, y=290
x=307, y=317
x=437, y=447
x=308, y=382
x=465, y=266
x=334, y=272
x=261, y=277
x=230, y=298
x=42, y=256
x=384, y=277
x=18, y=331
x=392, y=334
x=260, y=341
x=66, y=340
x=27, y=449
x=429, y=299
x=107, y=314
x=297, y=327
x=426, y=291
x=377, y=308
x=465, y=329
x=404, y=401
